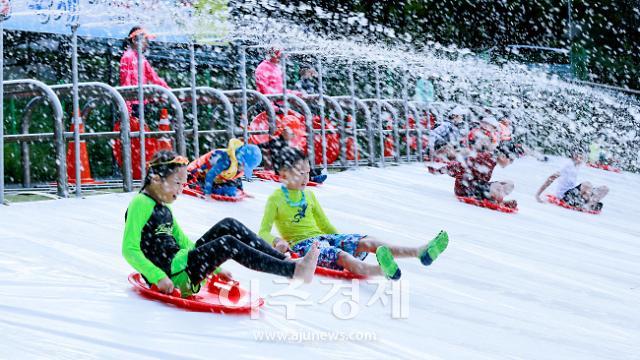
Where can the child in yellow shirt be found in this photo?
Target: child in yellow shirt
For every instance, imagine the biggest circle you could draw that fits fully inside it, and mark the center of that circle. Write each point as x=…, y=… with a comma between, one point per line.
x=301, y=222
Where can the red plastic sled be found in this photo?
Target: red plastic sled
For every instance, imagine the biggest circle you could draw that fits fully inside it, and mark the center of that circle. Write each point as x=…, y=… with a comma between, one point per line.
x=199, y=194
x=604, y=167
x=272, y=176
x=559, y=202
x=487, y=204
x=241, y=196
x=338, y=274
x=218, y=296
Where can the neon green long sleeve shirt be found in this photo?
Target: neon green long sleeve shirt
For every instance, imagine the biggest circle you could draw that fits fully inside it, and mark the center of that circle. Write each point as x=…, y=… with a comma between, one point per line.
x=151, y=228
x=294, y=224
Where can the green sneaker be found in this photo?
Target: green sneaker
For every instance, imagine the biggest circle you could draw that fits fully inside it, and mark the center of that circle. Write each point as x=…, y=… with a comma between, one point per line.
x=387, y=263
x=434, y=248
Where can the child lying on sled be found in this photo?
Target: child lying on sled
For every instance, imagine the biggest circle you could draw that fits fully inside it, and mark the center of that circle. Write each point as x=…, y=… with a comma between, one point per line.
x=582, y=195
x=473, y=174
x=220, y=171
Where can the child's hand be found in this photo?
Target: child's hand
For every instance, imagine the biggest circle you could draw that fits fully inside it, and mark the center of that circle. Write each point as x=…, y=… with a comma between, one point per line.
x=165, y=286
x=282, y=246
x=225, y=275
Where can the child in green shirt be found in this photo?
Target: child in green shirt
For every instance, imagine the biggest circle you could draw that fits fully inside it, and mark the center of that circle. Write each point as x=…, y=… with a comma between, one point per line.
x=155, y=245
x=301, y=222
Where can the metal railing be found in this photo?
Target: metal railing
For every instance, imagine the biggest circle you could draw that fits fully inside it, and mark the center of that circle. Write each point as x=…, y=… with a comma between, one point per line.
x=207, y=95
x=323, y=131
x=258, y=98
x=301, y=106
x=370, y=110
x=103, y=91
x=130, y=93
x=379, y=107
x=348, y=102
x=28, y=88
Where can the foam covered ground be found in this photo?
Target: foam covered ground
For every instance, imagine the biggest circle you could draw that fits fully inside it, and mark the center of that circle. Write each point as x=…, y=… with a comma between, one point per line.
x=546, y=283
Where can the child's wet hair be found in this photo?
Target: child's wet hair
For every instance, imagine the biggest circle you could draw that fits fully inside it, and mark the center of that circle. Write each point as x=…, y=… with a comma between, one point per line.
x=163, y=163
x=287, y=158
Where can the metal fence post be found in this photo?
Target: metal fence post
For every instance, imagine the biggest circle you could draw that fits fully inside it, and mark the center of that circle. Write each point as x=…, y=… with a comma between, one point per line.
x=379, y=110
x=76, y=108
x=194, y=107
x=244, y=120
x=323, y=129
x=143, y=153
x=354, y=111
x=283, y=59
x=405, y=103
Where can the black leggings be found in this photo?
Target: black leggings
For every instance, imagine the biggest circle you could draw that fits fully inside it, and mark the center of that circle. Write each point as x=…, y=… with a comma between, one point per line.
x=230, y=239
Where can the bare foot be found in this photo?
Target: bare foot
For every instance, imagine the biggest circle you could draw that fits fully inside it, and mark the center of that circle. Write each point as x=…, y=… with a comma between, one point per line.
x=307, y=266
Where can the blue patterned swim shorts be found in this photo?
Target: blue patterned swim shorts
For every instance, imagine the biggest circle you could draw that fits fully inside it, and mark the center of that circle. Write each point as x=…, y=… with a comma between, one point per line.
x=330, y=246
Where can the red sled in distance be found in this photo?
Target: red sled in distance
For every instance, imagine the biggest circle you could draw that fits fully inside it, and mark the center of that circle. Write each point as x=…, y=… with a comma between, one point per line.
x=487, y=204
x=604, y=167
x=217, y=297
x=554, y=200
x=272, y=176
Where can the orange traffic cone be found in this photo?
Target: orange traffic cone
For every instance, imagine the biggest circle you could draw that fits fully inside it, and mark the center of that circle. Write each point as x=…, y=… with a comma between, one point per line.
x=85, y=171
x=164, y=142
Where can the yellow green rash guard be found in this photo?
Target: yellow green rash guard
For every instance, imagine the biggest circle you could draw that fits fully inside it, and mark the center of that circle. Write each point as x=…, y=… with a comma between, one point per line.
x=153, y=243
x=294, y=223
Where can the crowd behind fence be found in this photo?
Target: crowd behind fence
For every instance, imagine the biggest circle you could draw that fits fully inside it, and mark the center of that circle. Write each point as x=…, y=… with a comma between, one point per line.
x=362, y=120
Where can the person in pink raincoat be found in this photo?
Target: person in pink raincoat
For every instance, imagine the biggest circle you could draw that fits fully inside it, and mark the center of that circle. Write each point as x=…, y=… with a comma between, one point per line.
x=129, y=77
x=268, y=75
x=129, y=61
